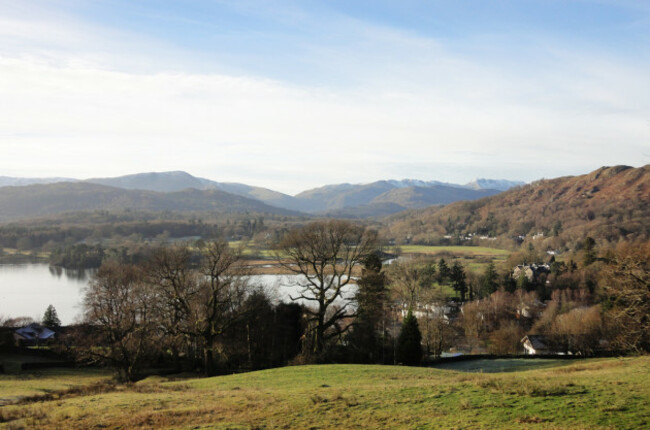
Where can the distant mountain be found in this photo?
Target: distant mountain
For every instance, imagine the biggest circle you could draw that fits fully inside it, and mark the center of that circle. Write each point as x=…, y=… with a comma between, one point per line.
x=265, y=195
x=166, y=182
x=493, y=184
x=354, y=200
x=608, y=204
x=8, y=181
x=48, y=199
x=405, y=183
x=384, y=197
x=420, y=197
x=163, y=182
x=334, y=197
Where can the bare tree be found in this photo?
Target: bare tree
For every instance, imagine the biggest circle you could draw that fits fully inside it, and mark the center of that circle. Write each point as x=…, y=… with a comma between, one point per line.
x=220, y=299
x=405, y=283
x=626, y=286
x=412, y=286
x=119, y=308
x=176, y=285
x=506, y=339
x=325, y=253
x=198, y=304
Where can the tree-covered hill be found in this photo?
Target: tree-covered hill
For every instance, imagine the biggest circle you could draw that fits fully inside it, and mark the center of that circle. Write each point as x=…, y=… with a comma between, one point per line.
x=609, y=204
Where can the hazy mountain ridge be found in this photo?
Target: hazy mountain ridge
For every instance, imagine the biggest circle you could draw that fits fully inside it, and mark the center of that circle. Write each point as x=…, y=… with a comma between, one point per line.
x=10, y=181
x=373, y=199
x=388, y=196
x=49, y=199
x=162, y=182
x=493, y=184
x=419, y=197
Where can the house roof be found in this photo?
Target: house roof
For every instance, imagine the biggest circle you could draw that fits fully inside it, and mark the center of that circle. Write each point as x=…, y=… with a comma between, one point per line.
x=537, y=341
x=35, y=331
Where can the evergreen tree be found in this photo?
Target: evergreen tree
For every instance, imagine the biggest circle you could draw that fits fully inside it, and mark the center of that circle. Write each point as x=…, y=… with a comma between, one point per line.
x=409, y=343
x=443, y=271
x=458, y=280
x=50, y=318
x=365, y=346
x=428, y=275
x=490, y=281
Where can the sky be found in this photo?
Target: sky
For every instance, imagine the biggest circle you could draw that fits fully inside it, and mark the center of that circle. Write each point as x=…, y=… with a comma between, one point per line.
x=291, y=95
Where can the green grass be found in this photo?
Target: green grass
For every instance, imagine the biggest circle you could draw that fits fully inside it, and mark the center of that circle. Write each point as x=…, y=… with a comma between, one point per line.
x=593, y=394
x=34, y=383
x=469, y=251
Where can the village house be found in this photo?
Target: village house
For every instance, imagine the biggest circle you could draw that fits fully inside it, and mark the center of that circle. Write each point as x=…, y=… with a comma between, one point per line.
x=33, y=335
x=531, y=271
x=536, y=345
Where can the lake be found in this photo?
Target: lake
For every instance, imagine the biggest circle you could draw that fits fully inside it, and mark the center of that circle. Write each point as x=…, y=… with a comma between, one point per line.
x=28, y=289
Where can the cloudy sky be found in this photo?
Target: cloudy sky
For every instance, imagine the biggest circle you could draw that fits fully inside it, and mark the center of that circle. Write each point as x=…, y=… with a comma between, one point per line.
x=295, y=94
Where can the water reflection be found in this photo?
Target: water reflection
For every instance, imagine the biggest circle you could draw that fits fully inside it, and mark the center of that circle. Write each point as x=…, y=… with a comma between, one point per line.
x=74, y=274
x=28, y=289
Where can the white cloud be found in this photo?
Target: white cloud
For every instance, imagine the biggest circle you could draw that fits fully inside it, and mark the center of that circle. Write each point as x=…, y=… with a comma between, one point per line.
x=410, y=108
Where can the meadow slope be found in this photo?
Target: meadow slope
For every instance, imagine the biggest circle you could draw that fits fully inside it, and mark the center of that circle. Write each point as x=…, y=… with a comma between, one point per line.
x=594, y=394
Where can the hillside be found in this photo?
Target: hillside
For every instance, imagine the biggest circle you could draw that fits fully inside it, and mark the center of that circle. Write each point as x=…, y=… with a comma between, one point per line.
x=595, y=394
x=41, y=200
x=608, y=204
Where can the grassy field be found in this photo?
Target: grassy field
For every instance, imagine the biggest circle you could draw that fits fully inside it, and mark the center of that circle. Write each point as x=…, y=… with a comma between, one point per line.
x=593, y=394
x=26, y=384
x=467, y=251
x=473, y=258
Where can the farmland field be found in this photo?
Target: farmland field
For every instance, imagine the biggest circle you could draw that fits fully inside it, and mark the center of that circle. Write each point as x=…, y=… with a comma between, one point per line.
x=595, y=394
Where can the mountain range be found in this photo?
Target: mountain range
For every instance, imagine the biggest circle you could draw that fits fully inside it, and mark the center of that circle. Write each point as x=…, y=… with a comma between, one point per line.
x=160, y=191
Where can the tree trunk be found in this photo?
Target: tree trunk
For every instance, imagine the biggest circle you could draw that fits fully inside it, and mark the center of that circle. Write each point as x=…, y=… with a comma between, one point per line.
x=208, y=358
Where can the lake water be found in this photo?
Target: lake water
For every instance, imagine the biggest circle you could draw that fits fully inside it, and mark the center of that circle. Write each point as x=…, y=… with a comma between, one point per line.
x=28, y=289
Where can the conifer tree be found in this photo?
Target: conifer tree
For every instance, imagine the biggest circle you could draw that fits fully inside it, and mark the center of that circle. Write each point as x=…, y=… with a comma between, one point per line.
x=409, y=343
x=490, y=281
x=443, y=271
x=364, y=343
x=458, y=280
x=50, y=318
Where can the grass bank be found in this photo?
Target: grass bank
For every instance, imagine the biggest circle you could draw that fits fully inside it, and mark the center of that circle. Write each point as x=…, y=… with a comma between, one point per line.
x=594, y=394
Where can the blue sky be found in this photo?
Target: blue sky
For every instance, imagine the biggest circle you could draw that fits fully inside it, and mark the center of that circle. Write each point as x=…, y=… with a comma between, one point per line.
x=296, y=94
